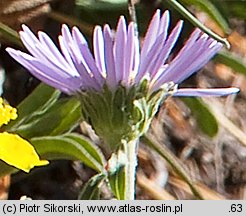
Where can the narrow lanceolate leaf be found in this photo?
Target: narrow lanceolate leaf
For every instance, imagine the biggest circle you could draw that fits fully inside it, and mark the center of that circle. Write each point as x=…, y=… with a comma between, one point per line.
x=212, y=11
x=91, y=190
x=206, y=121
x=71, y=147
x=232, y=61
x=90, y=147
x=64, y=115
x=117, y=183
x=38, y=102
x=117, y=175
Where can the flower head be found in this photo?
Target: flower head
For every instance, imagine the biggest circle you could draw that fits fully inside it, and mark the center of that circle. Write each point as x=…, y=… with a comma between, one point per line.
x=120, y=87
x=117, y=58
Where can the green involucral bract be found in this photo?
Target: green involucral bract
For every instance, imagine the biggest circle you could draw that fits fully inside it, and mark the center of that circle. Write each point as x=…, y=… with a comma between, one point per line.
x=123, y=114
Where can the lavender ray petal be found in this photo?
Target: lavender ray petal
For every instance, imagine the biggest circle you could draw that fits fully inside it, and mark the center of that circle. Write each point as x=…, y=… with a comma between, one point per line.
x=31, y=46
x=151, y=34
x=187, y=55
x=65, y=32
x=109, y=57
x=163, y=32
x=171, y=41
x=157, y=62
x=164, y=25
x=98, y=44
x=182, y=55
x=149, y=58
x=68, y=56
x=48, y=43
x=129, y=54
x=201, y=47
x=136, y=60
x=90, y=62
x=52, y=64
x=42, y=53
x=51, y=72
x=183, y=92
x=78, y=36
x=189, y=61
x=80, y=52
x=202, y=60
x=191, y=40
x=87, y=79
x=159, y=73
x=49, y=78
x=74, y=49
x=210, y=48
x=70, y=47
x=41, y=50
x=32, y=37
x=119, y=47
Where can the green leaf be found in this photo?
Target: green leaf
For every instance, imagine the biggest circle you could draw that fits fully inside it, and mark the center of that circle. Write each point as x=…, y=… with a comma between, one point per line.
x=117, y=183
x=205, y=119
x=9, y=34
x=102, y=4
x=70, y=147
x=63, y=116
x=90, y=147
x=232, y=61
x=212, y=11
x=117, y=175
x=37, y=103
x=70, y=115
x=91, y=189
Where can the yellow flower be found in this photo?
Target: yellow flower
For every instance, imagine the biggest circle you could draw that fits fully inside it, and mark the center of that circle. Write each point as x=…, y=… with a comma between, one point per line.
x=17, y=152
x=6, y=113
x=14, y=150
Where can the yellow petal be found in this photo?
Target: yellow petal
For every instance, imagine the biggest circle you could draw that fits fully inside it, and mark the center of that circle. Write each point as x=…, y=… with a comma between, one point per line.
x=19, y=153
x=6, y=113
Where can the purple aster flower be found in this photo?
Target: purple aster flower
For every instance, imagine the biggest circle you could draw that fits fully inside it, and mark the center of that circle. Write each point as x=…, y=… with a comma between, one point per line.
x=120, y=87
x=117, y=58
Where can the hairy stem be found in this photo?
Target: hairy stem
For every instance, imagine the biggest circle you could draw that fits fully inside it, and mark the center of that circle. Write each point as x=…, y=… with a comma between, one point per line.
x=130, y=178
